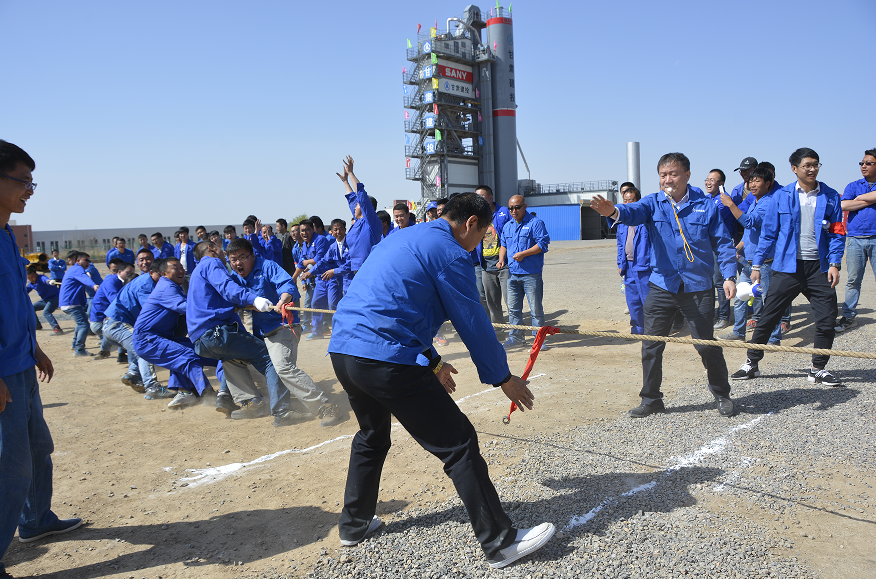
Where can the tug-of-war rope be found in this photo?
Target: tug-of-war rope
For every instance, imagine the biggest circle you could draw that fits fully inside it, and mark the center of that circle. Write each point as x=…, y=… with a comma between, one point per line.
x=543, y=331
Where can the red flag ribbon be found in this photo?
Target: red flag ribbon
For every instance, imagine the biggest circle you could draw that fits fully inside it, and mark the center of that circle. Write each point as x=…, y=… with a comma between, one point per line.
x=533, y=354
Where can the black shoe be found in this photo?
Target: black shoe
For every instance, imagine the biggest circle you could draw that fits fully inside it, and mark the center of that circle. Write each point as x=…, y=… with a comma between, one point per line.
x=725, y=406
x=62, y=526
x=823, y=377
x=122, y=358
x=39, y=326
x=746, y=372
x=643, y=410
x=225, y=404
x=102, y=355
x=134, y=382
x=290, y=417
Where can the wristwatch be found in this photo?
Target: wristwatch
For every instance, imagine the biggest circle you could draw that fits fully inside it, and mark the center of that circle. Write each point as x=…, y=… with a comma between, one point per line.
x=838, y=266
x=731, y=278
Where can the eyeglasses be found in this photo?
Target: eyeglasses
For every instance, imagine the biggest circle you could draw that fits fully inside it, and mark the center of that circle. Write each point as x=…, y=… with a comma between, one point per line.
x=868, y=163
x=808, y=167
x=27, y=184
x=240, y=259
x=516, y=207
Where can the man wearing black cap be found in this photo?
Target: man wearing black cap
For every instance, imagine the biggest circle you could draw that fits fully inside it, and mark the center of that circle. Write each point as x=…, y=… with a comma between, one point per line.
x=741, y=191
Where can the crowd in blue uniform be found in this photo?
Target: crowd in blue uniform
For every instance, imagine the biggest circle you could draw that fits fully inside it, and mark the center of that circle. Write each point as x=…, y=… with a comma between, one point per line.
x=178, y=307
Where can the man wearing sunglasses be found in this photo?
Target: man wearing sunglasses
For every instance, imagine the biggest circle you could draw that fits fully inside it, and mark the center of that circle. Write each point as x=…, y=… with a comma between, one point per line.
x=524, y=241
x=859, y=199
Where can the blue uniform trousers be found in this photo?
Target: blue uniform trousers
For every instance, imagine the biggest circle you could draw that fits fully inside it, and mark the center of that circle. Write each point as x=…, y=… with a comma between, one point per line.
x=636, y=290
x=25, y=461
x=48, y=306
x=178, y=356
x=324, y=294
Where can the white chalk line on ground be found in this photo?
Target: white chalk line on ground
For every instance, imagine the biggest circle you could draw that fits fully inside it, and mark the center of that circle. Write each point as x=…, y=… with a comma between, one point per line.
x=714, y=447
x=213, y=474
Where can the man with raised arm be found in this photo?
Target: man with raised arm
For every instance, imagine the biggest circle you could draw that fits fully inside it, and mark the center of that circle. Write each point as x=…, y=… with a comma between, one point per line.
x=366, y=232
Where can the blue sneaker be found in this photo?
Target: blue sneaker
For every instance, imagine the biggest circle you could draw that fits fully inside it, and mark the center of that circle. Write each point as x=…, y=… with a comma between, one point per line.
x=62, y=526
x=511, y=343
x=159, y=393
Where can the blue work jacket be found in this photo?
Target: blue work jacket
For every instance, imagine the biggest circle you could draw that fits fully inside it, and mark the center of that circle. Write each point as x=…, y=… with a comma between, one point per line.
x=94, y=275
x=104, y=296
x=752, y=221
x=393, y=318
x=73, y=286
x=189, y=264
x=130, y=299
x=314, y=250
x=703, y=229
x=57, y=267
x=641, y=249
x=268, y=280
x=17, y=317
x=365, y=233
x=726, y=215
x=862, y=222
x=43, y=288
x=781, y=229
x=127, y=255
x=161, y=312
x=213, y=295
x=272, y=249
x=517, y=237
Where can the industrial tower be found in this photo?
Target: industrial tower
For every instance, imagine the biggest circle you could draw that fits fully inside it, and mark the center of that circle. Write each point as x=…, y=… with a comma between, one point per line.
x=460, y=110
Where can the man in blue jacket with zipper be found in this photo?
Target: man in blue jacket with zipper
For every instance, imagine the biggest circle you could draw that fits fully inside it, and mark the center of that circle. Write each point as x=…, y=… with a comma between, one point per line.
x=73, y=301
x=806, y=233
x=367, y=230
x=315, y=248
x=634, y=263
x=184, y=251
x=686, y=232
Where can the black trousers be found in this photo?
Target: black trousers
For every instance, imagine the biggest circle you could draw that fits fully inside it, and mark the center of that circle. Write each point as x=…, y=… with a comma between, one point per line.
x=416, y=398
x=784, y=287
x=698, y=308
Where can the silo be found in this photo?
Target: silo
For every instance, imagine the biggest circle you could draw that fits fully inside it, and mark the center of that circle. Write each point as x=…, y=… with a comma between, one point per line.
x=500, y=40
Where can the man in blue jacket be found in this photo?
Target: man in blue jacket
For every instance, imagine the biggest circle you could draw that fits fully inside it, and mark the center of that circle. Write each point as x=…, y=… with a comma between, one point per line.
x=859, y=199
x=494, y=280
x=634, y=262
x=121, y=272
x=761, y=183
x=524, y=241
x=159, y=340
x=184, y=251
x=714, y=182
x=316, y=245
x=25, y=441
x=57, y=266
x=217, y=332
x=48, y=298
x=334, y=268
x=367, y=230
x=806, y=233
x=686, y=232
x=118, y=329
x=381, y=350
x=121, y=252
x=162, y=249
x=268, y=280
x=73, y=301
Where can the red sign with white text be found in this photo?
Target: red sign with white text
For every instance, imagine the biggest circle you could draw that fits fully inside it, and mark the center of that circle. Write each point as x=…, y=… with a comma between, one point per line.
x=454, y=73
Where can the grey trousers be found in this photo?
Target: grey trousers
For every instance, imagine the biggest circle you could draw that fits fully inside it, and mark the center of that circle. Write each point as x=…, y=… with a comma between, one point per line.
x=244, y=381
x=283, y=349
x=496, y=291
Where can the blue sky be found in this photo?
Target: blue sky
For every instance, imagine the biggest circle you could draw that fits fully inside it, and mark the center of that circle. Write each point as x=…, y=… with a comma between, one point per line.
x=172, y=113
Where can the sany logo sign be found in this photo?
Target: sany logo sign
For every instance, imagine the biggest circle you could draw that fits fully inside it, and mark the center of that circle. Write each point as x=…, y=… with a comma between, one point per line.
x=455, y=73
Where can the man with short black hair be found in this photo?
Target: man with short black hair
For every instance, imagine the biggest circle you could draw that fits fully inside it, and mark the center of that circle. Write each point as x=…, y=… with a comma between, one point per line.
x=48, y=298
x=103, y=297
x=120, y=251
x=859, y=199
x=57, y=266
x=145, y=257
x=73, y=301
x=402, y=216
x=806, y=232
x=634, y=262
x=381, y=350
x=217, y=331
x=494, y=280
x=25, y=441
x=685, y=231
x=266, y=279
x=230, y=233
x=367, y=230
x=163, y=249
x=386, y=222
x=714, y=182
x=185, y=250
x=201, y=233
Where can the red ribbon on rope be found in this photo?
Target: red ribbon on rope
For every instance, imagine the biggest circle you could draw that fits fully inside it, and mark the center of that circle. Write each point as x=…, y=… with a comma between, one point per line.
x=533, y=354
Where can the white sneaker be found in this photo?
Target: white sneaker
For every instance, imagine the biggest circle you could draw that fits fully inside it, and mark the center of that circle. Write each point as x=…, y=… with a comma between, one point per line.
x=183, y=399
x=375, y=524
x=527, y=541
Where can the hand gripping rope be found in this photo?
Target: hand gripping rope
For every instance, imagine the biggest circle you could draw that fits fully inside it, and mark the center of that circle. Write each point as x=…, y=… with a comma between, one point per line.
x=288, y=318
x=533, y=354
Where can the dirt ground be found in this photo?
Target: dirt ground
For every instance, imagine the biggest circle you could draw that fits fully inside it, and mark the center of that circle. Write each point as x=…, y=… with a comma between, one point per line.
x=121, y=462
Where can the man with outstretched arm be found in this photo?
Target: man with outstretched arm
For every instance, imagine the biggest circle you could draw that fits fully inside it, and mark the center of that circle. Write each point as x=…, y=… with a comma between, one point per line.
x=25, y=441
x=686, y=234
x=366, y=232
x=381, y=350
